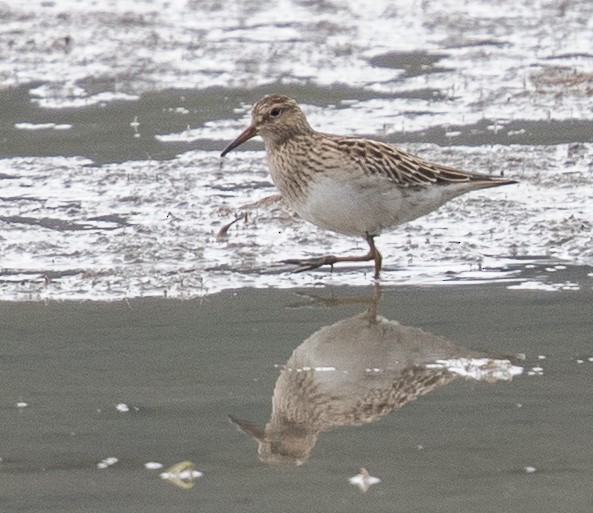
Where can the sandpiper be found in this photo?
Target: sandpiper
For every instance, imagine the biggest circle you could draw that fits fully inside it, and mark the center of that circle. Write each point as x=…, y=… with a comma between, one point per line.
x=349, y=185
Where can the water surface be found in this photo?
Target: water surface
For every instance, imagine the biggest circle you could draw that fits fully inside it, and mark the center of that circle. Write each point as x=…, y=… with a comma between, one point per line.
x=114, y=115
x=182, y=367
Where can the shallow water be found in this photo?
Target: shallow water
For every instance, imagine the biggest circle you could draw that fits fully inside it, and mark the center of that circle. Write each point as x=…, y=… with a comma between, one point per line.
x=182, y=367
x=114, y=115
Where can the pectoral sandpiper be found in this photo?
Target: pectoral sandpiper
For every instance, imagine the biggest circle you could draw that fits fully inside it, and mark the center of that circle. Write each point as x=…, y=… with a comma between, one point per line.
x=347, y=184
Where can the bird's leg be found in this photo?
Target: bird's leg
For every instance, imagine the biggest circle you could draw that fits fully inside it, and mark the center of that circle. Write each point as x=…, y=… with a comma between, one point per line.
x=376, y=255
x=308, y=264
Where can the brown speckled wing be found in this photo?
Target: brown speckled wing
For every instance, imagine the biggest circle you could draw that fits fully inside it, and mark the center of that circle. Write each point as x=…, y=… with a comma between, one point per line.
x=402, y=168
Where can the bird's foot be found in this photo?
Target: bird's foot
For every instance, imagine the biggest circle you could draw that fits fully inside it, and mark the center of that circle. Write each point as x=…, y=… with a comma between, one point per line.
x=307, y=264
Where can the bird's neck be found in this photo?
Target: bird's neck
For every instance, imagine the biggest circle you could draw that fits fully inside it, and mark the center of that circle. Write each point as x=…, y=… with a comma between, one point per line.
x=287, y=140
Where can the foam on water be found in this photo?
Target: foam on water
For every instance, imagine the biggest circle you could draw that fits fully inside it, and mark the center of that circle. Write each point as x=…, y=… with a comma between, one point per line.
x=72, y=229
x=489, y=62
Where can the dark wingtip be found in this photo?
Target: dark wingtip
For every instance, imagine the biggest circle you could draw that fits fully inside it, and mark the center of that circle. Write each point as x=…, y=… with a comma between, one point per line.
x=496, y=182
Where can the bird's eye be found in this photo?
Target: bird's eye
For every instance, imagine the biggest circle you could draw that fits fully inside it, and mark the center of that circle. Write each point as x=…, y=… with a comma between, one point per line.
x=275, y=112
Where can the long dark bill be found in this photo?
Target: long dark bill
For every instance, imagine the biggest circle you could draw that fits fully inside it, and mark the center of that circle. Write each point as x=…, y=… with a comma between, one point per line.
x=249, y=428
x=247, y=134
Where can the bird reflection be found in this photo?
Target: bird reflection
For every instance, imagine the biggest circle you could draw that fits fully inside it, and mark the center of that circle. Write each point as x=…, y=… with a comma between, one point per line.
x=356, y=371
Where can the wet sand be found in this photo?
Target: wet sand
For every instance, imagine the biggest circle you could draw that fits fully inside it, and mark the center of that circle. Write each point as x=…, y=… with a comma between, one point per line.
x=182, y=367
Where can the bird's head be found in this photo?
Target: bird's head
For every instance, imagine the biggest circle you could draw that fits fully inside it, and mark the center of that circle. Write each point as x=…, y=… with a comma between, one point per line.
x=275, y=118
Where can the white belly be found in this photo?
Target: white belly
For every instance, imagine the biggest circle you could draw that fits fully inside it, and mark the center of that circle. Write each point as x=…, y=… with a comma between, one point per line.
x=370, y=204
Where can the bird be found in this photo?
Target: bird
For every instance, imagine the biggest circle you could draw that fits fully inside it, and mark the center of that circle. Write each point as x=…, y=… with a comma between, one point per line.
x=349, y=185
